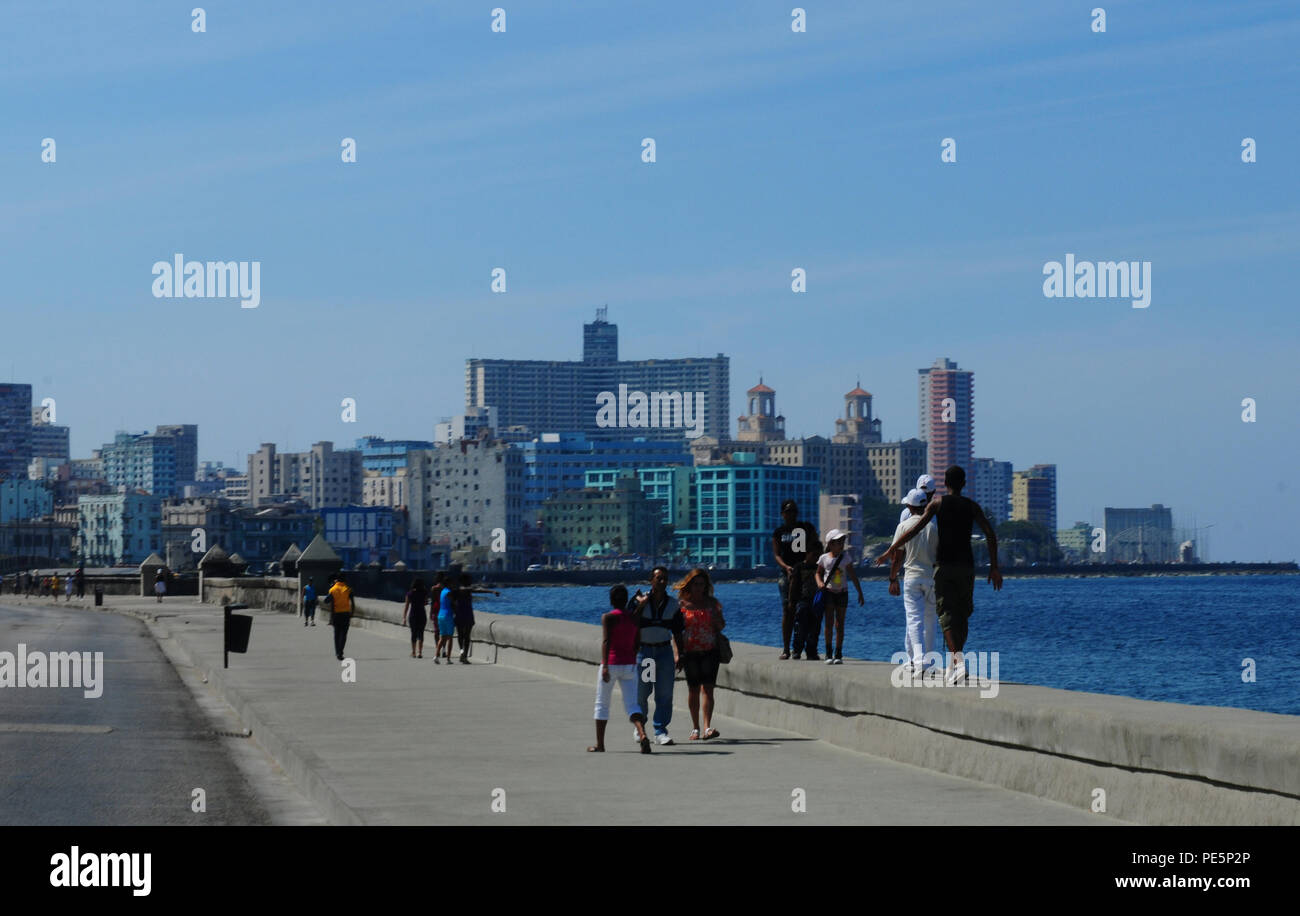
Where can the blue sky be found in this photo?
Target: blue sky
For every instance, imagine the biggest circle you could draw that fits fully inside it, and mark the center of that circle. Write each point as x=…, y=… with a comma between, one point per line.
x=775, y=150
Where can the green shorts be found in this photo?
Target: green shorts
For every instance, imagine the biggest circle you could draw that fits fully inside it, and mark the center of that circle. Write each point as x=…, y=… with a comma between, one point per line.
x=954, y=594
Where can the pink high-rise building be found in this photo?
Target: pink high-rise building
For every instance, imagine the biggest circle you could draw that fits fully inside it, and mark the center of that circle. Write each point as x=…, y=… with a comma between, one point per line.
x=947, y=417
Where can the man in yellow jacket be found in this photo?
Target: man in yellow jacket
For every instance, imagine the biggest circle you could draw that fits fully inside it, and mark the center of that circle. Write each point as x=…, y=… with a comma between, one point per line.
x=341, y=607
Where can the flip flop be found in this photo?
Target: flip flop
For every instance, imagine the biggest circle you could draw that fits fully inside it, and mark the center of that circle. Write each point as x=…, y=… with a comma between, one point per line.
x=712, y=733
x=645, y=745
x=695, y=734
x=596, y=750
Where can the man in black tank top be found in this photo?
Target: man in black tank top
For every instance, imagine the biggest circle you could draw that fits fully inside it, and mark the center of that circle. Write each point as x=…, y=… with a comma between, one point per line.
x=954, y=568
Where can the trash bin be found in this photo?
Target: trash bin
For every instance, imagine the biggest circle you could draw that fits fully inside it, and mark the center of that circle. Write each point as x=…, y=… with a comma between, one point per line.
x=237, y=629
x=99, y=596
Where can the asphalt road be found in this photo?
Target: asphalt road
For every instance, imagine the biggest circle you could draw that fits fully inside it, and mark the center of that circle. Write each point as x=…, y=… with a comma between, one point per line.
x=133, y=755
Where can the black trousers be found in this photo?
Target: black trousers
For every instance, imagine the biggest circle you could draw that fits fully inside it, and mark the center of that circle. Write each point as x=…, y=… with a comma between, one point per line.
x=807, y=625
x=341, y=623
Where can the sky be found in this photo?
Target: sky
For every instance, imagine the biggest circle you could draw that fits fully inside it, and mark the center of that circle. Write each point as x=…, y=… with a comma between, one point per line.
x=775, y=150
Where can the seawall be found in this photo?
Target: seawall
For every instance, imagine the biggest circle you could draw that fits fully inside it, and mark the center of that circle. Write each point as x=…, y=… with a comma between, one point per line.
x=1147, y=762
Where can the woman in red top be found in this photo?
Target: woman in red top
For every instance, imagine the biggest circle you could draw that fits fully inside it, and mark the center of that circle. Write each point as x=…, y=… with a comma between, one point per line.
x=619, y=639
x=703, y=617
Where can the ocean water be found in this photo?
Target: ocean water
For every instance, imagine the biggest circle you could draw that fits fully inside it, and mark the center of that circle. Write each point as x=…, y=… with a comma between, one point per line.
x=1181, y=639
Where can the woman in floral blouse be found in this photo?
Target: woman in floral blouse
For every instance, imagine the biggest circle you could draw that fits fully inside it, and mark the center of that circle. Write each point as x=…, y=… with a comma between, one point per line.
x=703, y=618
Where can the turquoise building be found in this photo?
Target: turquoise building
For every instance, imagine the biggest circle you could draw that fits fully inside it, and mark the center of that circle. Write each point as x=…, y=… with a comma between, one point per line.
x=728, y=512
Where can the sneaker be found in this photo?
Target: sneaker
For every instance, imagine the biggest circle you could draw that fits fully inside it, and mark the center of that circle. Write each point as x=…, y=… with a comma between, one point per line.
x=814, y=657
x=313, y=623
x=830, y=660
x=957, y=674
x=664, y=739
x=839, y=659
x=785, y=655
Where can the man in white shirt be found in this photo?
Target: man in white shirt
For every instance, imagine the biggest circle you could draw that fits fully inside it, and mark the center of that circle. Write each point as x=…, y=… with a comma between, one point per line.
x=924, y=483
x=917, y=563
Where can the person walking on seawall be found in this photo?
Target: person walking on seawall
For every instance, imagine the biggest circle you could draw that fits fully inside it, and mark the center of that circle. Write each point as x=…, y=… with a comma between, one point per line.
x=954, y=572
x=619, y=636
x=160, y=585
x=916, y=560
x=81, y=582
x=795, y=548
x=445, y=623
x=702, y=622
x=833, y=569
x=341, y=608
x=67, y=590
x=462, y=612
x=660, y=621
x=309, y=603
x=414, y=615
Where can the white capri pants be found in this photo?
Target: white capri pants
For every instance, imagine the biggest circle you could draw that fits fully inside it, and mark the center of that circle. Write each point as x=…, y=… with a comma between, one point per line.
x=625, y=677
x=922, y=621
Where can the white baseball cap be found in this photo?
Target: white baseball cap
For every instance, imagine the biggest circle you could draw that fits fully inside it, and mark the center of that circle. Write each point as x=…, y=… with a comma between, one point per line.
x=925, y=482
x=834, y=535
x=914, y=498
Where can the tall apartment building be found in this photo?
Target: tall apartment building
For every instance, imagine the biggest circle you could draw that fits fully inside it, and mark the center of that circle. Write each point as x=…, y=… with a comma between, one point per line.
x=15, y=430
x=562, y=396
x=988, y=482
x=121, y=529
x=1033, y=496
x=465, y=495
x=161, y=462
x=947, y=416
x=1140, y=535
x=48, y=440
x=321, y=477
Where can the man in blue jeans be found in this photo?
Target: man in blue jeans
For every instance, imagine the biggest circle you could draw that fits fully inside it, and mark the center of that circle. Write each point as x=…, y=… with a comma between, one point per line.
x=661, y=623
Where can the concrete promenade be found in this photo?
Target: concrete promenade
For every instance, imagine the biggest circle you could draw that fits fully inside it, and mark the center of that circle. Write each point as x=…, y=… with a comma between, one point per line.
x=411, y=742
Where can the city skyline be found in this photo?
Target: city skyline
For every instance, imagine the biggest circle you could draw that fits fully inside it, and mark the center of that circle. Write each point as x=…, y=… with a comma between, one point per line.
x=775, y=152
